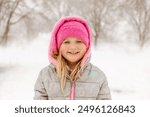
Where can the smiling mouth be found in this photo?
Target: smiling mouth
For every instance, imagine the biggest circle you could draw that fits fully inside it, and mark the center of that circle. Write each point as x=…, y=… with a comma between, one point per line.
x=73, y=53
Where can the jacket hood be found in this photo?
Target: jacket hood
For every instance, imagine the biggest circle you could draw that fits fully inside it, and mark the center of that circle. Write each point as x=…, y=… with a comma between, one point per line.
x=53, y=49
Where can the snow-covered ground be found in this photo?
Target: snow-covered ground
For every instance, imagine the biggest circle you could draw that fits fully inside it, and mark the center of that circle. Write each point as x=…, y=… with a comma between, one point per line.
x=126, y=66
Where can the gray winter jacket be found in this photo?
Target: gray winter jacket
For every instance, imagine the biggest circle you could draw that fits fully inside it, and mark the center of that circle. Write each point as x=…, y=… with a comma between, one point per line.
x=92, y=85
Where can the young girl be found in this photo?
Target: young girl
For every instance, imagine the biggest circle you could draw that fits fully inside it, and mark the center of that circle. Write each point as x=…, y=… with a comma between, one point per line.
x=70, y=74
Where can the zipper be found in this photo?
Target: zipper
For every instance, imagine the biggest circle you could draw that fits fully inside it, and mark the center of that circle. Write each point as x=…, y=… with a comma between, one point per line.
x=72, y=92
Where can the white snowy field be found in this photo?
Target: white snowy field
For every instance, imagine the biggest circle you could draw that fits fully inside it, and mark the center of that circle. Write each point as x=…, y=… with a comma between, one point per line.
x=126, y=66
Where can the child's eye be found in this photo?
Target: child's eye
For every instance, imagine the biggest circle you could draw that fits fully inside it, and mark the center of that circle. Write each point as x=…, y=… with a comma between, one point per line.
x=66, y=42
x=78, y=41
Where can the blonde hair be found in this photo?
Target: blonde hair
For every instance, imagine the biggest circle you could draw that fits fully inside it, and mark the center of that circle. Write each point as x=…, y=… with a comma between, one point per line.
x=62, y=71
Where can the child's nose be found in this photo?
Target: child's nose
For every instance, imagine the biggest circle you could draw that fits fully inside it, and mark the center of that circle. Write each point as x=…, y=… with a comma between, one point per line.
x=73, y=46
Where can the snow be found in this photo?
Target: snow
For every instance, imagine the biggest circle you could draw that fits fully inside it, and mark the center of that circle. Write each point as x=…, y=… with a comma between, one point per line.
x=126, y=66
x=127, y=71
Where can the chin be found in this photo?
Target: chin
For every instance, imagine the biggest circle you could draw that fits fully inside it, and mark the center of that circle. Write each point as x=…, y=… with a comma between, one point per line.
x=73, y=61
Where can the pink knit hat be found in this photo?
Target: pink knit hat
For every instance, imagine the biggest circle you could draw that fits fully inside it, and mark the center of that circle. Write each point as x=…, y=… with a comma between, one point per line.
x=72, y=29
x=69, y=27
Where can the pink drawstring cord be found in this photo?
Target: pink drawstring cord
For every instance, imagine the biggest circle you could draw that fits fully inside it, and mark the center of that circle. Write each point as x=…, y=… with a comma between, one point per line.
x=72, y=94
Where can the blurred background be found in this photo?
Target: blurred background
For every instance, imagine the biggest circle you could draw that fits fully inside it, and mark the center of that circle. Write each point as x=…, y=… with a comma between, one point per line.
x=121, y=43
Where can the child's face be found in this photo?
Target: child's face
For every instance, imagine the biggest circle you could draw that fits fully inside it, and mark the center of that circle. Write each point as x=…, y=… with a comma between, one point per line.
x=72, y=50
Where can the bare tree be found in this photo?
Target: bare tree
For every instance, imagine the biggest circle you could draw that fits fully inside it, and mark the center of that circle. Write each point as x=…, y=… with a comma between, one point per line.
x=14, y=11
x=11, y=13
x=96, y=19
x=53, y=9
x=7, y=10
x=99, y=11
x=137, y=13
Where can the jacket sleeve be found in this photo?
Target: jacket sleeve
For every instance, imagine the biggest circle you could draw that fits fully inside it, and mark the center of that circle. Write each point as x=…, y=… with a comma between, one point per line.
x=104, y=92
x=39, y=89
